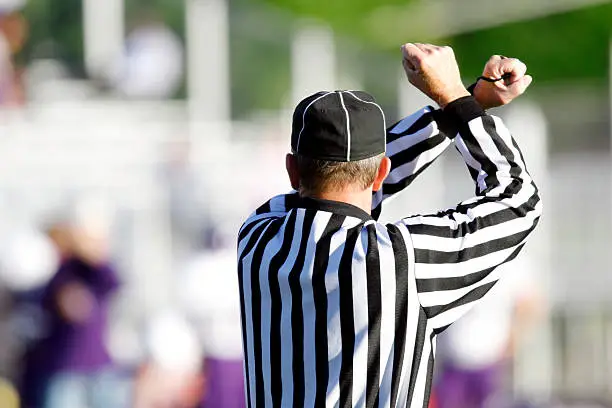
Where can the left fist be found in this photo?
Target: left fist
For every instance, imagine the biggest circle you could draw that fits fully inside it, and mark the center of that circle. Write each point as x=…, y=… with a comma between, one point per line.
x=494, y=94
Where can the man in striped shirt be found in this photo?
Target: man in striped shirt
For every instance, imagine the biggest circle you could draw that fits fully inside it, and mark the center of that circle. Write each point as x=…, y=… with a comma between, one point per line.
x=339, y=310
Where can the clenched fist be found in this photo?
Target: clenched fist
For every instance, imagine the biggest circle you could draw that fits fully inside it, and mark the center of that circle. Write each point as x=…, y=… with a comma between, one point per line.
x=434, y=71
x=493, y=94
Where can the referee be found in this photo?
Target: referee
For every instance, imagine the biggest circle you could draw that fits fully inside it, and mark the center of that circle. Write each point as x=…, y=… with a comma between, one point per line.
x=339, y=310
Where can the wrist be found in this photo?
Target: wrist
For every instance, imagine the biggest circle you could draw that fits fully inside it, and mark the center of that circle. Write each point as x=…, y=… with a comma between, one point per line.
x=482, y=98
x=452, y=95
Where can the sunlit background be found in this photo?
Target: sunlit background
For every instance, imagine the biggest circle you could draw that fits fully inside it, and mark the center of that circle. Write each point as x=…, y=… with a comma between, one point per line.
x=135, y=135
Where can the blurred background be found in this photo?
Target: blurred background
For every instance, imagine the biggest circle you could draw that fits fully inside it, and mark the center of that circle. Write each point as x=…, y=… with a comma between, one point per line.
x=136, y=135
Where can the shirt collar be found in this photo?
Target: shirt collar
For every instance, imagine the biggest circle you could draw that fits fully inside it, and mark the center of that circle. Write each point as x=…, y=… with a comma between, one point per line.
x=336, y=207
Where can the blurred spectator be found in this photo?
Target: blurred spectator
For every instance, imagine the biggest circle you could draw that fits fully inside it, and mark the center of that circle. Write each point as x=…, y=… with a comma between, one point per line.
x=69, y=367
x=152, y=65
x=13, y=32
x=476, y=350
x=27, y=262
x=171, y=378
x=209, y=293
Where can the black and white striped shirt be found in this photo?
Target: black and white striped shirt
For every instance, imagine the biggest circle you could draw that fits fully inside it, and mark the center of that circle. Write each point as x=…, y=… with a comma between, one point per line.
x=339, y=310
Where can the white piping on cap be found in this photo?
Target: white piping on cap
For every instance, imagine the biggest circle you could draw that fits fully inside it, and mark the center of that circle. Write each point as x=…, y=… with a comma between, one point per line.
x=348, y=128
x=297, y=147
x=381, y=111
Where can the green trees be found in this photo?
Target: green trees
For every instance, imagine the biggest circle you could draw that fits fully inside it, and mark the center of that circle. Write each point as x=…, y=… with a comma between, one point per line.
x=572, y=45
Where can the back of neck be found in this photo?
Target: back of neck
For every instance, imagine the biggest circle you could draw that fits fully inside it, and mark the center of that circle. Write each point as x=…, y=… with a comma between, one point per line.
x=361, y=199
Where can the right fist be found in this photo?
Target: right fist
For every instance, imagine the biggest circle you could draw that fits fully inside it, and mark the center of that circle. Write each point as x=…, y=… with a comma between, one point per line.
x=434, y=71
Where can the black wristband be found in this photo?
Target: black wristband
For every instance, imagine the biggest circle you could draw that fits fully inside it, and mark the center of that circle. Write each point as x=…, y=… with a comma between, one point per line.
x=456, y=114
x=464, y=110
x=472, y=87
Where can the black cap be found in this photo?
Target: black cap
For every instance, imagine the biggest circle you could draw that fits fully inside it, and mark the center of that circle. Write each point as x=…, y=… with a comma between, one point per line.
x=339, y=126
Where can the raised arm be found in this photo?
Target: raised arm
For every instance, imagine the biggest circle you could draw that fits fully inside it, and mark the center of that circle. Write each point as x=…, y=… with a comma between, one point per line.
x=416, y=141
x=456, y=252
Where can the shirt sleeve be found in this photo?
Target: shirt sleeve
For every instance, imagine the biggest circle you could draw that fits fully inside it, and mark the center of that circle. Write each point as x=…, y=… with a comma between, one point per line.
x=457, y=251
x=274, y=208
x=413, y=144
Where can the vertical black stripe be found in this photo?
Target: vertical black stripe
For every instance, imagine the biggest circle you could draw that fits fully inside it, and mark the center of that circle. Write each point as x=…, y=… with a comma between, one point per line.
x=417, y=354
x=244, y=334
x=430, y=372
x=502, y=147
x=515, y=169
x=297, y=317
x=478, y=154
x=244, y=231
x=254, y=237
x=270, y=232
x=245, y=345
x=373, y=283
x=347, y=320
x=319, y=293
x=276, y=386
x=378, y=209
x=265, y=208
x=292, y=201
x=400, y=254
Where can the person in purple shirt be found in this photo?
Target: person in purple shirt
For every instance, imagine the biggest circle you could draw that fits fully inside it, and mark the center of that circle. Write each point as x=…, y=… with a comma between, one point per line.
x=70, y=366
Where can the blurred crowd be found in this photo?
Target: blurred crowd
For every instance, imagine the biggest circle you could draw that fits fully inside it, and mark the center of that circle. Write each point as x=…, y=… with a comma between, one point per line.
x=57, y=288
x=59, y=280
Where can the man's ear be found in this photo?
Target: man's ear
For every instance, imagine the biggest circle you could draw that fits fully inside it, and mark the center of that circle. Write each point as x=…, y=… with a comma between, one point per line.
x=292, y=171
x=383, y=172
